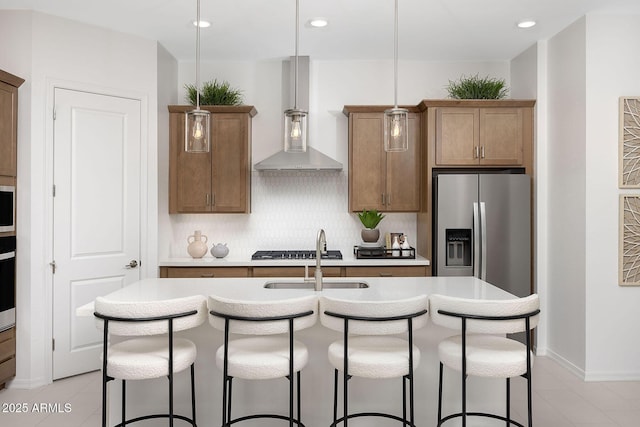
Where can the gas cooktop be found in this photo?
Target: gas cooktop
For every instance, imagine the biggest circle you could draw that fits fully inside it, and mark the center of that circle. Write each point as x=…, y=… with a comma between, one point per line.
x=267, y=255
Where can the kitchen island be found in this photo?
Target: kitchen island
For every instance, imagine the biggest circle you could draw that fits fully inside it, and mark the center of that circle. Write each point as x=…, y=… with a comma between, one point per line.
x=317, y=378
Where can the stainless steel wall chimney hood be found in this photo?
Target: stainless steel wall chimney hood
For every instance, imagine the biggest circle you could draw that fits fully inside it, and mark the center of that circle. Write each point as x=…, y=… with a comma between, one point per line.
x=312, y=159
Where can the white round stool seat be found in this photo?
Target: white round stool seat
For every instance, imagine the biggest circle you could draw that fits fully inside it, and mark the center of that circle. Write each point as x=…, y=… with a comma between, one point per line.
x=261, y=358
x=487, y=355
x=374, y=356
x=145, y=358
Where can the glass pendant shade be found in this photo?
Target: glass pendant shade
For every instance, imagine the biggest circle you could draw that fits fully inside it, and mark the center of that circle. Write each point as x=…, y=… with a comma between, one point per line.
x=295, y=131
x=396, y=129
x=295, y=119
x=396, y=120
x=197, y=131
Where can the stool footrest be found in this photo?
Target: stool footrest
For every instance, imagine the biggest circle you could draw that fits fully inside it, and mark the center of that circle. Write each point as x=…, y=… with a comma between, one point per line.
x=148, y=417
x=372, y=414
x=479, y=414
x=250, y=417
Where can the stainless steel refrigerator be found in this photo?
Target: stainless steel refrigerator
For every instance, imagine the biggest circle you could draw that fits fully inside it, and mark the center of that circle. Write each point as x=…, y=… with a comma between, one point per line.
x=482, y=228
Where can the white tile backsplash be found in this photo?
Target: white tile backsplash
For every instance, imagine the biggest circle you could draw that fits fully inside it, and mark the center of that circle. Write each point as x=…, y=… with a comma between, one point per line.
x=287, y=210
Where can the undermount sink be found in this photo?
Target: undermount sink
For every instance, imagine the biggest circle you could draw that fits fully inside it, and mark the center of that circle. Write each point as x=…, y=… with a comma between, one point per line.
x=310, y=285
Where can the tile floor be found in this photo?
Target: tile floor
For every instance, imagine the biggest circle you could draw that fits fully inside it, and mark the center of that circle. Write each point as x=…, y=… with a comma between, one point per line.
x=560, y=400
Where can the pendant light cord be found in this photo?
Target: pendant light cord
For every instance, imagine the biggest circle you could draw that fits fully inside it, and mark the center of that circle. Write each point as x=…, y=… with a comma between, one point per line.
x=198, y=56
x=395, y=58
x=295, y=86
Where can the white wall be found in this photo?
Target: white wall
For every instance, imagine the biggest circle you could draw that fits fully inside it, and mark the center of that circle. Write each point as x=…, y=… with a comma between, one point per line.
x=528, y=81
x=54, y=51
x=612, y=64
x=567, y=196
x=308, y=201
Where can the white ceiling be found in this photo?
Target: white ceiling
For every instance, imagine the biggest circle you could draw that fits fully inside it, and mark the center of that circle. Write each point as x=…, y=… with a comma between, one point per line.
x=433, y=30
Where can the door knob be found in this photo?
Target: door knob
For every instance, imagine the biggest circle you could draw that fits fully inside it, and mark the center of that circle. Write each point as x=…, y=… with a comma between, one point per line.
x=132, y=264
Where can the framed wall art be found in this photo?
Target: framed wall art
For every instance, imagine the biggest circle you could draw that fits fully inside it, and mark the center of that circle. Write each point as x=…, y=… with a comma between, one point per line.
x=629, y=142
x=629, y=241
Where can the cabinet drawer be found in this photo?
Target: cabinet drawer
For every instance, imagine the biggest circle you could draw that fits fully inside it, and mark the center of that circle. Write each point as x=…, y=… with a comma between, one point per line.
x=193, y=272
x=391, y=271
x=7, y=370
x=7, y=344
x=294, y=271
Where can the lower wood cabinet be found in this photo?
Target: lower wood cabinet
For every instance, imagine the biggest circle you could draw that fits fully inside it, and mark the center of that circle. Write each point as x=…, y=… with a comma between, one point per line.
x=7, y=355
x=384, y=271
x=295, y=271
x=192, y=272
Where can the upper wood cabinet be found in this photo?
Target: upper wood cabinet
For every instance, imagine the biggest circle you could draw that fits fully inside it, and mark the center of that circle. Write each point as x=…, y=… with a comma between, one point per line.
x=218, y=181
x=379, y=180
x=9, y=123
x=490, y=135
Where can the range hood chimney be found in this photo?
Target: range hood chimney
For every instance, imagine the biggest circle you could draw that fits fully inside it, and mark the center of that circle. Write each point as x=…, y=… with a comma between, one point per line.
x=312, y=159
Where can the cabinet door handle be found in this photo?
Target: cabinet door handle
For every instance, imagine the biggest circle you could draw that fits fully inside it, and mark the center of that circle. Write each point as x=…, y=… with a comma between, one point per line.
x=382, y=195
x=477, y=150
x=206, y=199
x=213, y=199
x=482, y=153
x=207, y=275
x=388, y=199
x=383, y=274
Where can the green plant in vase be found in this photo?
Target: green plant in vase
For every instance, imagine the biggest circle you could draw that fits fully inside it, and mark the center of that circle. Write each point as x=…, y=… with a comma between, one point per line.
x=475, y=87
x=370, y=220
x=214, y=93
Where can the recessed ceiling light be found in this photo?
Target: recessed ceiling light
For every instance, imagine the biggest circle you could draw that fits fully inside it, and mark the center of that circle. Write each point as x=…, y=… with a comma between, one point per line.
x=203, y=24
x=318, y=22
x=526, y=23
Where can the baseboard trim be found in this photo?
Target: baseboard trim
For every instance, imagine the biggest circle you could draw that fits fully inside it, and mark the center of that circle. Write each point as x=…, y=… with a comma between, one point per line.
x=28, y=384
x=576, y=370
x=592, y=376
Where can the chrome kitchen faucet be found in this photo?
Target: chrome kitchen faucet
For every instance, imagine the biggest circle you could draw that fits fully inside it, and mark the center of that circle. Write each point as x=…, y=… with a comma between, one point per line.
x=321, y=247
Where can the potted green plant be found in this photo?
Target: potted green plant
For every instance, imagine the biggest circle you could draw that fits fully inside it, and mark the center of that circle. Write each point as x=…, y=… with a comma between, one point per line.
x=475, y=87
x=370, y=220
x=214, y=93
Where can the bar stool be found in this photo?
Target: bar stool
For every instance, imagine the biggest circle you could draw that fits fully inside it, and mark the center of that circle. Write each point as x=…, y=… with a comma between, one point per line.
x=482, y=349
x=366, y=350
x=272, y=352
x=150, y=349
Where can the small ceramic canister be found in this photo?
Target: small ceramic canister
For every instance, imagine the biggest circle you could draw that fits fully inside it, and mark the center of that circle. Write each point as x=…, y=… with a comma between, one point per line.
x=220, y=250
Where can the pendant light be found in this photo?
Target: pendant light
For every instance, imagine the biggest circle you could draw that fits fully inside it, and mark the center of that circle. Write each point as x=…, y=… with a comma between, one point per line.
x=295, y=119
x=197, y=131
x=396, y=120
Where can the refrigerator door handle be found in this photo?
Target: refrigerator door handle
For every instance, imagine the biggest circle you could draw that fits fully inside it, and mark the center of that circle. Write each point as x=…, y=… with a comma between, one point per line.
x=476, y=240
x=483, y=234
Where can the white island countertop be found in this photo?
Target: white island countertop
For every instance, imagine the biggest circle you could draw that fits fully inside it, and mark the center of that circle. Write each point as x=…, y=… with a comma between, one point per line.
x=380, y=288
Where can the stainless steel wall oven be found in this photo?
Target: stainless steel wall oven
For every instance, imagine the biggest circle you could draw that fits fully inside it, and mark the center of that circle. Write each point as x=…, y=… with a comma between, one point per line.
x=7, y=208
x=7, y=282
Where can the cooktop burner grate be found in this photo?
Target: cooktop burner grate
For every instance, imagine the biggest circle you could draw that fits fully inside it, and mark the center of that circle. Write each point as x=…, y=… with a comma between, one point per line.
x=275, y=255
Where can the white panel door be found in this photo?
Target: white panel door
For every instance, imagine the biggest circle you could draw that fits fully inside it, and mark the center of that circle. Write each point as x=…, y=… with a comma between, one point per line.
x=96, y=208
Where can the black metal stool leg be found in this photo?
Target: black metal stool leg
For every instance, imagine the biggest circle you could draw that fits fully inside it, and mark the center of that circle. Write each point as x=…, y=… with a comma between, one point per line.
x=440, y=395
x=124, y=397
x=193, y=396
x=335, y=396
x=230, y=399
x=529, y=403
x=104, y=400
x=508, y=401
x=298, y=396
